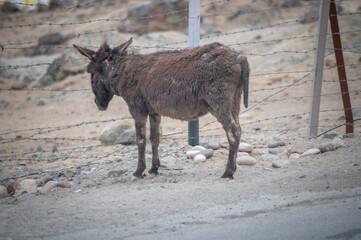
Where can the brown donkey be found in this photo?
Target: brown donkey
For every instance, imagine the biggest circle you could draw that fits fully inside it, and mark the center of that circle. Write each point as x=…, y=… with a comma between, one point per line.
x=184, y=84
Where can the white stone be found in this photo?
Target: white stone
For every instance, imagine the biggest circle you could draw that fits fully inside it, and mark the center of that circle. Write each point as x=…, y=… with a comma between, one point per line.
x=26, y=186
x=275, y=144
x=294, y=156
x=338, y=142
x=199, y=158
x=208, y=153
x=245, y=147
x=213, y=144
x=3, y=192
x=198, y=148
x=311, y=151
x=280, y=163
x=48, y=186
x=246, y=160
x=192, y=153
x=246, y=116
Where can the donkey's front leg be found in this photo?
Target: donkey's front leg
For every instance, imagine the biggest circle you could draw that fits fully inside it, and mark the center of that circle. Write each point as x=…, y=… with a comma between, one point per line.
x=154, y=138
x=140, y=128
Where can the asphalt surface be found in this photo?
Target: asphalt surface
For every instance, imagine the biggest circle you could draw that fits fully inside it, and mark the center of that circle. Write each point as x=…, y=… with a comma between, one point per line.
x=331, y=215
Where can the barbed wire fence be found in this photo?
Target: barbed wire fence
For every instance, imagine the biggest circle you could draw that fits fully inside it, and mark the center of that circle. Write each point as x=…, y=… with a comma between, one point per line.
x=288, y=126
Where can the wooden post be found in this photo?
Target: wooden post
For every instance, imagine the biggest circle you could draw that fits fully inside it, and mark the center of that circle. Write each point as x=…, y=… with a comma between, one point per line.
x=318, y=69
x=341, y=67
x=193, y=41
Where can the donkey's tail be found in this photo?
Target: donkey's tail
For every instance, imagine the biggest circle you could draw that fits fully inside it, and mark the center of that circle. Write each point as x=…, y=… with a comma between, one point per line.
x=245, y=79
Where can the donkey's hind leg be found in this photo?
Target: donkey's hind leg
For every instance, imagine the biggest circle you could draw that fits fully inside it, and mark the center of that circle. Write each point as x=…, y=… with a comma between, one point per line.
x=233, y=131
x=154, y=139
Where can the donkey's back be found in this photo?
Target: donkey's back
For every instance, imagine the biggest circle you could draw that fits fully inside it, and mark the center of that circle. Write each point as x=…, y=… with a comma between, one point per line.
x=188, y=84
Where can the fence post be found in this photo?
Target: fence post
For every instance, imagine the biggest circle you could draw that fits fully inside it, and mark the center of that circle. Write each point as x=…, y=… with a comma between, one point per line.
x=193, y=41
x=341, y=67
x=318, y=69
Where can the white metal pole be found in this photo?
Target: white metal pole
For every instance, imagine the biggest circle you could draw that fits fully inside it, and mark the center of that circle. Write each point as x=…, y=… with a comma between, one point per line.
x=193, y=41
x=318, y=69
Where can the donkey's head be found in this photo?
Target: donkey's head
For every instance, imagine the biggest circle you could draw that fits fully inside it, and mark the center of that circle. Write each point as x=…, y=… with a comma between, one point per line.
x=99, y=70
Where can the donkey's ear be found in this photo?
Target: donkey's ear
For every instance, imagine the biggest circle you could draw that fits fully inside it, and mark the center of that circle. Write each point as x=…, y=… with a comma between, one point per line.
x=86, y=52
x=122, y=47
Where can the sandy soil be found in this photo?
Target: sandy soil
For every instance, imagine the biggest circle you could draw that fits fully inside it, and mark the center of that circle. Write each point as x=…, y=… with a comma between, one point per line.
x=183, y=189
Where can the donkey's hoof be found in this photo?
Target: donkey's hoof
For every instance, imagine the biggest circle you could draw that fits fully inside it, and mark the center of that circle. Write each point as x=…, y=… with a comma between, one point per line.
x=137, y=176
x=227, y=177
x=153, y=173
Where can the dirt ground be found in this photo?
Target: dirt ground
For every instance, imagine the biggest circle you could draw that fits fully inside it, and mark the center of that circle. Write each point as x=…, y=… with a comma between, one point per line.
x=177, y=199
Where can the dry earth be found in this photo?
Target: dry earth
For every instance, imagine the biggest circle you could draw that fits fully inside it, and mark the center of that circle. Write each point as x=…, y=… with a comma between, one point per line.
x=177, y=200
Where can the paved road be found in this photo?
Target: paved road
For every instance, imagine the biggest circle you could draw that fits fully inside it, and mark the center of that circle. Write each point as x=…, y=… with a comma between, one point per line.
x=310, y=216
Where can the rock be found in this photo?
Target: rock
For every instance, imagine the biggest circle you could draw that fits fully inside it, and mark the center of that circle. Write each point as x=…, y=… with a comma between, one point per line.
x=213, y=144
x=44, y=180
x=11, y=186
x=311, y=151
x=245, y=147
x=256, y=128
x=199, y=158
x=10, y=6
x=246, y=116
x=338, y=142
x=48, y=186
x=325, y=147
x=26, y=186
x=6, y=181
x=272, y=151
x=246, y=160
x=55, y=149
x=59, y=3
x=348, y=135
x=22, y=75
x=192, y=153
x=3, y=192
x=294, y=156
x=208, y=153
x=69, y=173
x=53, y=39
x=329, y=135
x=117, y=133
x=43, y=82
x=268, y=157
x=198, y=148
x=280, y=163
x=19, y=84
x=276, y=144
x=48, y=42
x=64, y=184
x=157, y=24
x=116, y=173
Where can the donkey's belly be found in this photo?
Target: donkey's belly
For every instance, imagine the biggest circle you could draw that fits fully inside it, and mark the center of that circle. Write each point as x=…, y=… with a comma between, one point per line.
x=185, y=112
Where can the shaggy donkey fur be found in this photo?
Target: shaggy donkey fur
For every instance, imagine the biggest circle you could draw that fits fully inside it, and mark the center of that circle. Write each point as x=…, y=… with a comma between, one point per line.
x=185, y=85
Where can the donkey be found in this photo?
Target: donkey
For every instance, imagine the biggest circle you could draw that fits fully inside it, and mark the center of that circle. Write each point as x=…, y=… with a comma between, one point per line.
x=181, y=84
